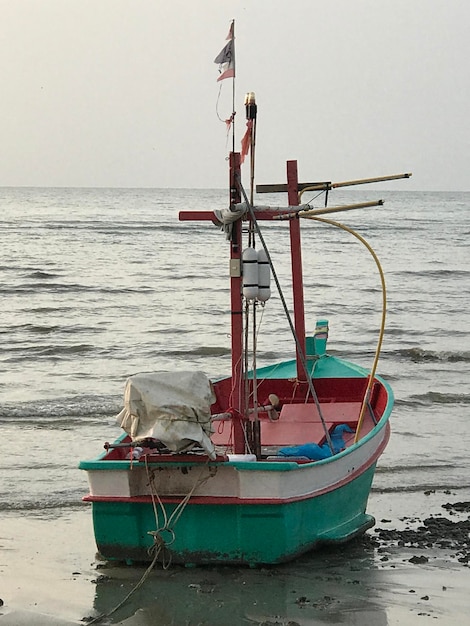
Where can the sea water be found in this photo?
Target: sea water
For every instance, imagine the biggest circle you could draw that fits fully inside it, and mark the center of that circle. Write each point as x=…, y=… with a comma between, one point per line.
x=99, y=284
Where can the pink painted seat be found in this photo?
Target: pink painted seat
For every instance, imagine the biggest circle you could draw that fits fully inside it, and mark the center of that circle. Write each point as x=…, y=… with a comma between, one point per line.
x=297, y=424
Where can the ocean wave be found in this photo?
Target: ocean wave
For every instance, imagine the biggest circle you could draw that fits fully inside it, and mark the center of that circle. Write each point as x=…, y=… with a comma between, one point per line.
x=43, y=507
x=200, y=351
x=42, y=329
x=419, y=355
x=436, y=397
x=70, y=288
x=121, y=229
x=68, y=409
x=405, y=469
x=434, y=273
x=57, y=352
x=42, y=275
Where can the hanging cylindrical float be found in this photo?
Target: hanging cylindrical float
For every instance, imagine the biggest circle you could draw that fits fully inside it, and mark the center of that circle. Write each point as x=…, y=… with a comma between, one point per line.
x=264, y=276
x=250, y=273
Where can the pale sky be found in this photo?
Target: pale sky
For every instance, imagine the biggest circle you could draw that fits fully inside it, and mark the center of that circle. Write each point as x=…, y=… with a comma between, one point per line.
x=122, y=93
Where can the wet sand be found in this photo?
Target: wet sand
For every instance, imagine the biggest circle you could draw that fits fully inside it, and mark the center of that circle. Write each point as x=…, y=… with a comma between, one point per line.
x=412, y=568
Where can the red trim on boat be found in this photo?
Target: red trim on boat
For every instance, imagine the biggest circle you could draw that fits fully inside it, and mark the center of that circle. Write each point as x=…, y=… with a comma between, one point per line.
x=232, y=500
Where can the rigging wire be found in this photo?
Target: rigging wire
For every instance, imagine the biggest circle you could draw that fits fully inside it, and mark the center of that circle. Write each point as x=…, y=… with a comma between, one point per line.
x=320, y=193
x=288, y=316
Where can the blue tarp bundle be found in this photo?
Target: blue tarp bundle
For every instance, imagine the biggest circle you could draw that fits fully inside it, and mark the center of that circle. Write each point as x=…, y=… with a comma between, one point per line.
x=315, y=452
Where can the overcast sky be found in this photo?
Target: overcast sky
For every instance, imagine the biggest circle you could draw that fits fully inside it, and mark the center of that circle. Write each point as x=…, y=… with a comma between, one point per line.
x=122, y=93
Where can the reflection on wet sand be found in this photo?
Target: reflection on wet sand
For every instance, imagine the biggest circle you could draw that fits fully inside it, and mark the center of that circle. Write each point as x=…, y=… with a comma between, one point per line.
x=325, y=587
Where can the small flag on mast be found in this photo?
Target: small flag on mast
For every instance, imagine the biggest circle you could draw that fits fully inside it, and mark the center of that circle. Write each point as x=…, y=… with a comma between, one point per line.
x=226, y=57
x=246, y=141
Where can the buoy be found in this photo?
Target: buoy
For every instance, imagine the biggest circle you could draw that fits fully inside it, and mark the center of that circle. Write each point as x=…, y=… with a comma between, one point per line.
x=250, y=273
x=264, y=276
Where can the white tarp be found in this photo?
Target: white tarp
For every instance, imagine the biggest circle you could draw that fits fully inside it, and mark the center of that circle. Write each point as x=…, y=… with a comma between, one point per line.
x=173, y=407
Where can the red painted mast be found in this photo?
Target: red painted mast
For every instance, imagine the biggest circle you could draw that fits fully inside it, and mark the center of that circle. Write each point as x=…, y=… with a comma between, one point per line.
x=236, y=301
x=237, y=397
x=296, y=259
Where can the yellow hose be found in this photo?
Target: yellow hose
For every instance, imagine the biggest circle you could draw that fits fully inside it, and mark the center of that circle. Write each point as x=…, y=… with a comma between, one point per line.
x=384, y=311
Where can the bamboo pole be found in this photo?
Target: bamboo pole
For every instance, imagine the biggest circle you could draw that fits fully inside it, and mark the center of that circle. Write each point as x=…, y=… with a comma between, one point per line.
x=333, y=209
x=359, y=181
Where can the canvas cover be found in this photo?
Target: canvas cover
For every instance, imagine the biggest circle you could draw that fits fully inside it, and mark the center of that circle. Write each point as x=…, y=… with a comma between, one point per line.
x=173, y=407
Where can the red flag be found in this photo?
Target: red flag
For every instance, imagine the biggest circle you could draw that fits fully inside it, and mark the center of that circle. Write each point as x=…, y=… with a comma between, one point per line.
x=246, y=140
x=226, y=57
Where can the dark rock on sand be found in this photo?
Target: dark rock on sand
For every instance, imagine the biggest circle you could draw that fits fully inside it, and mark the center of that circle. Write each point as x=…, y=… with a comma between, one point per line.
x=433, y=532
x=419, y=559
x=462, y=507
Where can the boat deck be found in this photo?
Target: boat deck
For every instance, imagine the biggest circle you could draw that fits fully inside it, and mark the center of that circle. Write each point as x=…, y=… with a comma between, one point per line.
x=299, y=424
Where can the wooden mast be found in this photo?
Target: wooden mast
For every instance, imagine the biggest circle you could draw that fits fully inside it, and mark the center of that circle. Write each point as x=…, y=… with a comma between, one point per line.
x=236, y=310
x=296, y=260
x=236, y=303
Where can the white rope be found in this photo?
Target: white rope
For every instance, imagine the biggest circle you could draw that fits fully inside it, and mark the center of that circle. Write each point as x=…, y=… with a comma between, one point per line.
x=159, y=543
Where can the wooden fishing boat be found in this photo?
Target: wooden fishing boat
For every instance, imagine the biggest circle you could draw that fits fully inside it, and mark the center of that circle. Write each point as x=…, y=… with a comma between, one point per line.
x=265, y=464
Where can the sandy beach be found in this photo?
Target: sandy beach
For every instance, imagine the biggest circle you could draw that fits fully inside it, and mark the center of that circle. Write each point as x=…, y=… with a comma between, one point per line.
x=403, y=572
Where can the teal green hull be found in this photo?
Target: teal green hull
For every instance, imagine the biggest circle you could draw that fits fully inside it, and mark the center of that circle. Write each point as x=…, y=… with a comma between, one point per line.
x=236, y=533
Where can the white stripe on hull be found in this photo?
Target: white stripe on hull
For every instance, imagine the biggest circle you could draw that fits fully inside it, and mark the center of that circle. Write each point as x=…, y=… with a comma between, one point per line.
x=244, y=481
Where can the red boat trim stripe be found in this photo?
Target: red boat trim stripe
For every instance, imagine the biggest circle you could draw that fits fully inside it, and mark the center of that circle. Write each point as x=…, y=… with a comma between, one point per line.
x=233, y=500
